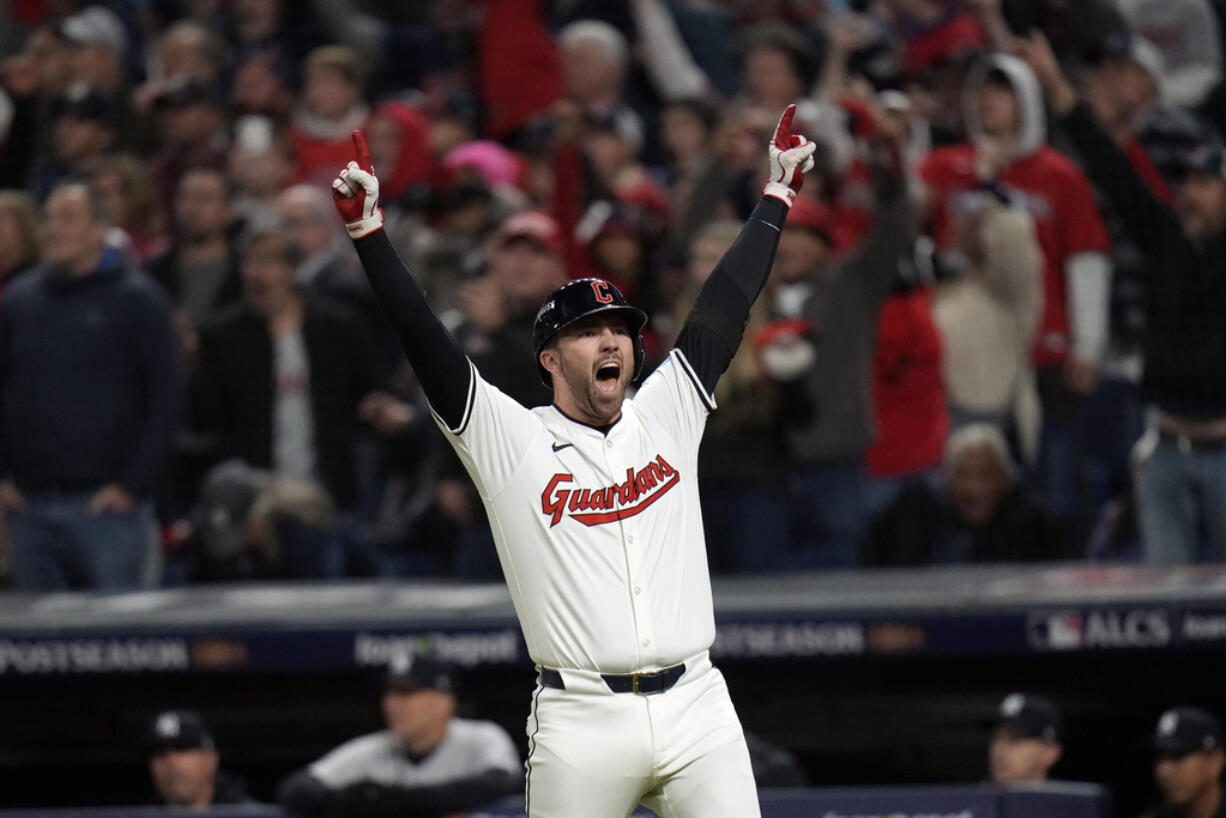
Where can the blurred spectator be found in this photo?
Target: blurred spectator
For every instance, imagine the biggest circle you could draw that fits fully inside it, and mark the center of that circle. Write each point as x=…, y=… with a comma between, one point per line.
x=979, y=512
x=330, y=110
x=832, y=418
x=192, y=132
x=1184, y=461
x=987, y=316
x=426, y=762
x=185, y=49
x=595, y=59
x=84, y=127
x=743, y=465
x=123, y=180
x=260, y=166
x=520, y=68
x=31, y=81
x=18, y=235
x=183, y=764
x=1186, y=32
x=285, y=379
x=1027, y=740
x=1006, y=123
x=1188, y=766
x=98, y=48
x=200, y=270
x=399, y=135
x=252, y=524
x=934, y=30
x=264, y=84
x=698, y=183
x=91, y=397
x=329, y=266
x=908, y=395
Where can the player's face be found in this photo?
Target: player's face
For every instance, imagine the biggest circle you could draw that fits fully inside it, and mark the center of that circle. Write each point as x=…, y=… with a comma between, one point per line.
x=592, y=364
x=416, y=715
x=184, y=777
x=1185, y=779
x=1012, y=759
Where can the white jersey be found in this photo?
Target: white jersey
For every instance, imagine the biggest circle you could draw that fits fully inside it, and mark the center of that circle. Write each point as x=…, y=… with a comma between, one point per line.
x=599, y=535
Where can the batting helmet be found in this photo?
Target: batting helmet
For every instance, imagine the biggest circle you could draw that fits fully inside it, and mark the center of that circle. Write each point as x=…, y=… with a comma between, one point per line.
x=579, y=299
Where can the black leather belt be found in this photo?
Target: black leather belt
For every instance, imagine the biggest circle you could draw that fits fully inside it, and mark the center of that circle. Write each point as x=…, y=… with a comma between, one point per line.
x=642, y=683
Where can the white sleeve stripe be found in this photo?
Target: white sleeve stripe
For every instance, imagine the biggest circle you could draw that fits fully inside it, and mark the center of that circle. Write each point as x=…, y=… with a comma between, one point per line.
x=706, y=396
x=468, y=403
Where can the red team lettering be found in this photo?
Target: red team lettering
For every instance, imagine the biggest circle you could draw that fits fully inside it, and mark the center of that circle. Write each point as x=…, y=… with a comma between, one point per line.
x=640, y=489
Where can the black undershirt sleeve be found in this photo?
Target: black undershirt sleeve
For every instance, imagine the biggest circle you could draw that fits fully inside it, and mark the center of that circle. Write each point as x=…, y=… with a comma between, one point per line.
x=713, y=329
x=441, y=367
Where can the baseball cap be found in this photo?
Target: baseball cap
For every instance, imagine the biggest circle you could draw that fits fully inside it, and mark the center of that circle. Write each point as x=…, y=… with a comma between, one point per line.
x=535, y=226
x=1030, y=716
x=1184, y=730
x=187, y=91
x=812, y=216
x=1139, y=50
x=1207, y=157
x=97, y=26
x=412, y=672
x=178, y=730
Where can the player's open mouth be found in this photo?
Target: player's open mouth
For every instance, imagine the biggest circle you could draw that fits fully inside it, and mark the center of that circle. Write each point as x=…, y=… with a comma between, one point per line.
x=607, y=376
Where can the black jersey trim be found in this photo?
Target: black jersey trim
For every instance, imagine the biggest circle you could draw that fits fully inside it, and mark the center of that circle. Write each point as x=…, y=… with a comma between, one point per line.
x=707, y=397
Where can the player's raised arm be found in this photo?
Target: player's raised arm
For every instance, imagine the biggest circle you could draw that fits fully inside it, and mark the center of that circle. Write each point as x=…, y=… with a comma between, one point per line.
x=441, y=368
x=712, y=331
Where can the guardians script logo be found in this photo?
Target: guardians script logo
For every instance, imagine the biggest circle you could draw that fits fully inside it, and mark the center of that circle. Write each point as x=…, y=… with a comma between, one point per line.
x=641, y=488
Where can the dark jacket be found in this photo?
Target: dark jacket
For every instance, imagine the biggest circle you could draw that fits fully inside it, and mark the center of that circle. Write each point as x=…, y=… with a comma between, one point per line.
x=233, y=392
x=89, y=383
x=1168, y=811
x=165, y=270
x=919, y=528
x=1185, y=350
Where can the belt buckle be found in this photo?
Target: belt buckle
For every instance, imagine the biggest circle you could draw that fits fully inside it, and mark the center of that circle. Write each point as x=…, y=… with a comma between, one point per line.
x=634, y=684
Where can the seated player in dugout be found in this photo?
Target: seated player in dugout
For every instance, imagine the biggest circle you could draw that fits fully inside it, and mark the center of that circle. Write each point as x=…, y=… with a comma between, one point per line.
x=593, y=502
x=1188, y=764
x=183, y=764
x=1026, y=741
x=424, y=763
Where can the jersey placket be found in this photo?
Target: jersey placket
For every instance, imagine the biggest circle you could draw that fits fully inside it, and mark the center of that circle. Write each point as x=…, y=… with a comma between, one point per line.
x=632, y=548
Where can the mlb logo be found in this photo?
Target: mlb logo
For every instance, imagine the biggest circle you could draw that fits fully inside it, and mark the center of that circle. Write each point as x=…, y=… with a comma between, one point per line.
x=1059, y=630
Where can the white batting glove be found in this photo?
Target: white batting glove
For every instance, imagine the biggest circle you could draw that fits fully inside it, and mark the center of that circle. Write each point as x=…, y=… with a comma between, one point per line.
x=791, y=157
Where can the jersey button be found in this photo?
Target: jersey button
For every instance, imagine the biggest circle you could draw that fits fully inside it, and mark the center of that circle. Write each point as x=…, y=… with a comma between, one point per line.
x=629, y=538
x=646, y=643
x=608, y=444
x=638, y=589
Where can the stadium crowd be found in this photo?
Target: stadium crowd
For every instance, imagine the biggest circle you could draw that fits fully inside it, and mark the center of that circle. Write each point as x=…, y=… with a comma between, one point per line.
x=1012, y=352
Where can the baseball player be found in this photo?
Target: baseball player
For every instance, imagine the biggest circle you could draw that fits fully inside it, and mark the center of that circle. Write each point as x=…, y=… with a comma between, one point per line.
x=593, y=502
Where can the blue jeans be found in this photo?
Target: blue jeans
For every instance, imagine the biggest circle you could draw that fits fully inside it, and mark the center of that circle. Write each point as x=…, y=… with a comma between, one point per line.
x=57, y=545
x=1181, y=498
x=831, y=514
x=748, y=529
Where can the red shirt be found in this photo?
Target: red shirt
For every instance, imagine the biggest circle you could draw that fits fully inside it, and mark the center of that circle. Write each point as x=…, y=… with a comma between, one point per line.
x=1066, y=218
x=953, y=36
x=908, y=390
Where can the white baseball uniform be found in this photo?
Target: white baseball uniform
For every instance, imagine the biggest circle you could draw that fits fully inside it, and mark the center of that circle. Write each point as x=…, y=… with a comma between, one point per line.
x=600, y=537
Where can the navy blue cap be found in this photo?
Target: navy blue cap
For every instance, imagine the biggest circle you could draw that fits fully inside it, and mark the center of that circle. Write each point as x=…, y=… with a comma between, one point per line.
x=178, y=730
x=412, y=672
x=1030, y=716
x=1184, y=730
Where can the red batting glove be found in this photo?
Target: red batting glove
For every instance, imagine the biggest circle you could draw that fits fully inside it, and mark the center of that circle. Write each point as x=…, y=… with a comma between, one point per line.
x=355, y=192
x=791, y=157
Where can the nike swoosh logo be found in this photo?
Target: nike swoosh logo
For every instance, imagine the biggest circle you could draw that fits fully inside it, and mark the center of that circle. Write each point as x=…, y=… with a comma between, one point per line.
x=557, y=447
